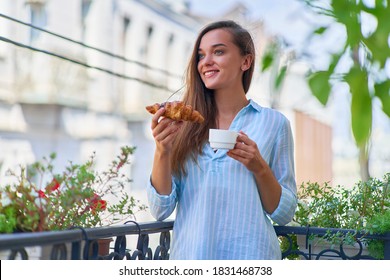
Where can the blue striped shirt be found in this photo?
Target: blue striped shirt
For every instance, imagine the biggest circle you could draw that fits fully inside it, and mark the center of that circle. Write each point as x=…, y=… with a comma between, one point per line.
x=219, y=214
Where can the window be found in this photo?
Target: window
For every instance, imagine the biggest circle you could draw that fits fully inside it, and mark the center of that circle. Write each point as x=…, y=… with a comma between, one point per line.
x=149, y=33
x=170, y=52
x=126, y=24
x=85, y=7
x=38, y=19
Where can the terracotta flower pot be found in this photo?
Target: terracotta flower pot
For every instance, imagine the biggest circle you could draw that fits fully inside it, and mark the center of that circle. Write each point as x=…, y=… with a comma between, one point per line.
x=103, y=246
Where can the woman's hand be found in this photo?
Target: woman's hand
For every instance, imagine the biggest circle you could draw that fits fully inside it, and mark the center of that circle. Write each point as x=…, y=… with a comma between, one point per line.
x=247, y=152
x=164, y=131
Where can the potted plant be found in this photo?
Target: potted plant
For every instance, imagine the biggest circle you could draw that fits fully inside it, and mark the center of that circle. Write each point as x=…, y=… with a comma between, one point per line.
x=42, y=200
x=364, y=208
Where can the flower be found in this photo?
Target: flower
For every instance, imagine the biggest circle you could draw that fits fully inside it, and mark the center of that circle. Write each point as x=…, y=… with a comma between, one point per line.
x=42, y=200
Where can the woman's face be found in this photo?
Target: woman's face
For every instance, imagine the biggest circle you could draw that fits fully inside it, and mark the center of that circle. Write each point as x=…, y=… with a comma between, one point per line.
x=220, y=63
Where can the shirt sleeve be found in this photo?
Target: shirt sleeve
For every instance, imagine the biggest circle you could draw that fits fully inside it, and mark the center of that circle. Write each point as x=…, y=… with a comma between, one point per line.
x=282, y=165
x=161, y=206
x=284, y=213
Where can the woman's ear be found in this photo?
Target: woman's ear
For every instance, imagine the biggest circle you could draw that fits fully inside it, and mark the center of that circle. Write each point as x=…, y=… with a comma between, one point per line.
x=247, y=62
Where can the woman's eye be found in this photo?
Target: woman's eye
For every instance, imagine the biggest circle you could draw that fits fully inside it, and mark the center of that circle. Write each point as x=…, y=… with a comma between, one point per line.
x=200, y=56
x=218, y=52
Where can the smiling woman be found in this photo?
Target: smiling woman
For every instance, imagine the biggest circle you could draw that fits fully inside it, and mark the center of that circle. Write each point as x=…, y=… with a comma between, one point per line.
x=225, y=199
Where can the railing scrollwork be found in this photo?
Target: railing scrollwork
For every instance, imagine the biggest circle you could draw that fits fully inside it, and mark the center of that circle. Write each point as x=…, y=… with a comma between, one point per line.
x=79, y=243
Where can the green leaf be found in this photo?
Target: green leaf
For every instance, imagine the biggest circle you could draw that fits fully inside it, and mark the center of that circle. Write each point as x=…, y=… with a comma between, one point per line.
x=378, y=40
x=280, y=78
x=347, y=13
x=377, y=43
x=320, y=30
x=267, y=61
x=383, y=92
x=319, y=85
x=361, y=105
x=269, y=55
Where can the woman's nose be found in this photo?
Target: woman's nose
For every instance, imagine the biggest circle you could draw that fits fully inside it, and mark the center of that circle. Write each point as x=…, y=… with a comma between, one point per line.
x=207, y=59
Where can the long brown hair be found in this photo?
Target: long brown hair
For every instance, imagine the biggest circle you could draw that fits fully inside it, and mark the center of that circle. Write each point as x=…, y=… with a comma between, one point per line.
x=192, y=136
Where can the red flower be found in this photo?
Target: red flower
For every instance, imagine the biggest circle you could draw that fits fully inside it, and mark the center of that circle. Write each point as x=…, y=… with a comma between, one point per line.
x=54, y=185
x=97, y=203
x=41, y=194
x=102, y=204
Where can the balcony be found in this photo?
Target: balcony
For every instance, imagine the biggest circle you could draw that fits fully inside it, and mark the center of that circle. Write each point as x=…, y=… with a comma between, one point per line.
x=81, y=244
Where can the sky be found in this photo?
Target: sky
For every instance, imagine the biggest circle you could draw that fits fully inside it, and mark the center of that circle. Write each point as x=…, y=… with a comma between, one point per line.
x=280, y=16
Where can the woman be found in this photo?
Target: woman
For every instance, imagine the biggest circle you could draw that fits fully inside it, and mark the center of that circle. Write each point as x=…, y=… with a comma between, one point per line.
x=224, y=200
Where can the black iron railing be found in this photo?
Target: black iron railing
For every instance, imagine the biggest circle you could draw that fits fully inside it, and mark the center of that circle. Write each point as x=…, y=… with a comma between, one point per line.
x=134, y=241
x=329, y=243
x=80, y=243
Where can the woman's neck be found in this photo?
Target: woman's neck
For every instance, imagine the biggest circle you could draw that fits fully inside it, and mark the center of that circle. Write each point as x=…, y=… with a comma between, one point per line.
x=228, y=106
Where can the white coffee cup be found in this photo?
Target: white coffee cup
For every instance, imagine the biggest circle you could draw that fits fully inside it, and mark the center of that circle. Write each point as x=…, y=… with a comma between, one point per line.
x=222, y=139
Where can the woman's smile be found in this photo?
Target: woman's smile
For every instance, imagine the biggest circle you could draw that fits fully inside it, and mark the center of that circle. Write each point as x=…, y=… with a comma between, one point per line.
x=210, y=73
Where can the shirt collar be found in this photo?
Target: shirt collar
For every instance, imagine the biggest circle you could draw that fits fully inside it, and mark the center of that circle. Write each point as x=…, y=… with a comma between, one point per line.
x=254, y=105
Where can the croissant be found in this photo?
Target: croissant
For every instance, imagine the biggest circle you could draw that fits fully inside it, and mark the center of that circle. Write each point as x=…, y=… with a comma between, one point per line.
x=177, y=111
